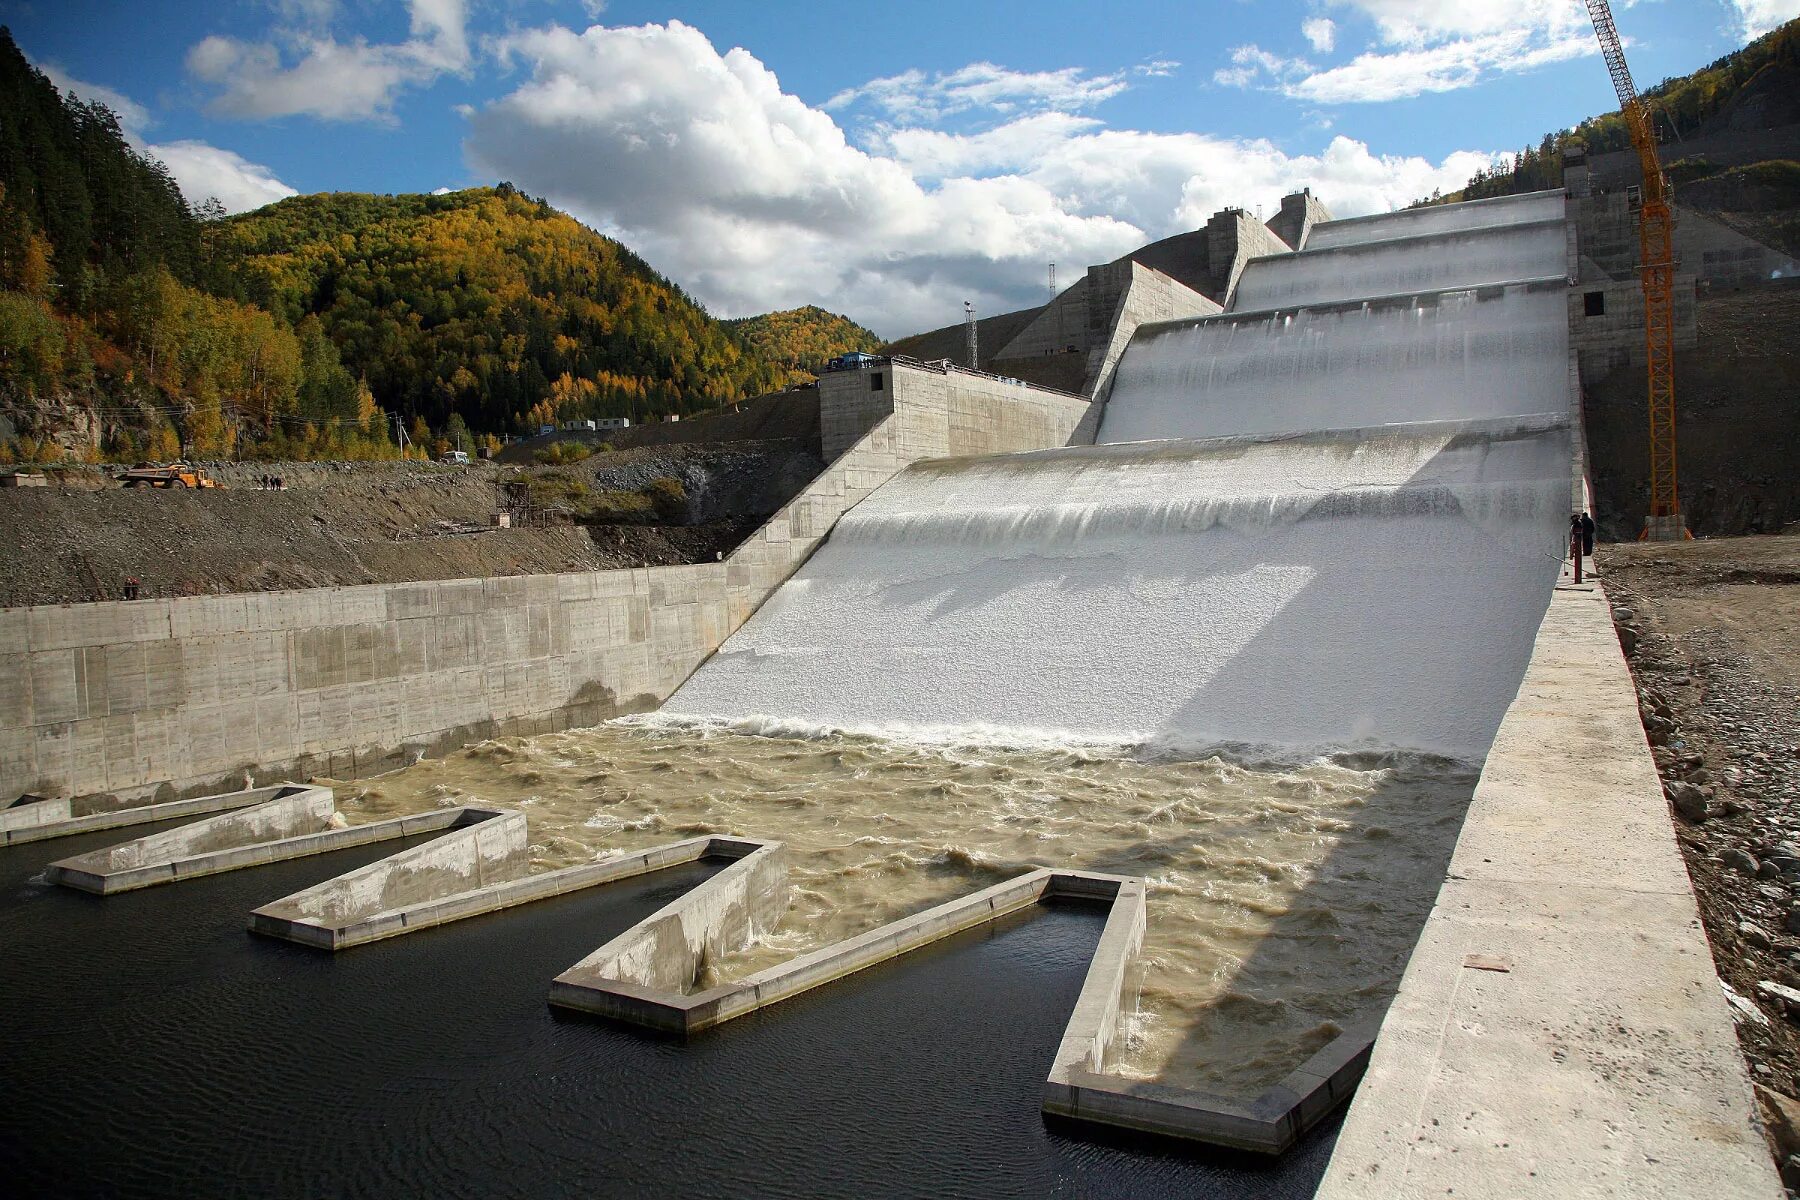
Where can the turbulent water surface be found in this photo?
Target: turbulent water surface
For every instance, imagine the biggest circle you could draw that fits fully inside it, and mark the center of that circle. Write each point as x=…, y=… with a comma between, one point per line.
x=1284, y=897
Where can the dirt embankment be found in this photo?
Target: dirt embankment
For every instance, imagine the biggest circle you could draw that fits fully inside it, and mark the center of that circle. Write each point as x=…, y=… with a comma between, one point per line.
x=349, y=523
x=1737, y=400
x=1712, y=630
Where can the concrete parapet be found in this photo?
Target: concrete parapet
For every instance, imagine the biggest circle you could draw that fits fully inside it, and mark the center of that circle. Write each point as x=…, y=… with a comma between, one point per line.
x=291, y=826
x=465, y=873
x=43, y=819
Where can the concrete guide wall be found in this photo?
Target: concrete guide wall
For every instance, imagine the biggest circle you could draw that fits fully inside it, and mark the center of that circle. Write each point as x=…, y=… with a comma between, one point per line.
x=167, y=698
x=1560, y=1030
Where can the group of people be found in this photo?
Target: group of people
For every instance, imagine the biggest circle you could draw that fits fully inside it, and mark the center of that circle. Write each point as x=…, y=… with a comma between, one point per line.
x=1581, y=532
x=271, y=483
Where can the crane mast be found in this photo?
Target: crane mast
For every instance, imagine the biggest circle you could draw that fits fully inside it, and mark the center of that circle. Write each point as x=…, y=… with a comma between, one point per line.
x=1656, y=267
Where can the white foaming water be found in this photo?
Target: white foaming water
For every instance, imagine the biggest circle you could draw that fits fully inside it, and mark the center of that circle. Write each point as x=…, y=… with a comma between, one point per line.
x=1464, y=259
x=1440, y=218
x=1317, y=591
x=1467, y=355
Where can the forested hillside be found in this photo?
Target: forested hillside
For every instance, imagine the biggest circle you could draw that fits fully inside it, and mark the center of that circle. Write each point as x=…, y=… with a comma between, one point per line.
x=803, y=339
x=486, y=304
x=132, y=325
x=1763, y=77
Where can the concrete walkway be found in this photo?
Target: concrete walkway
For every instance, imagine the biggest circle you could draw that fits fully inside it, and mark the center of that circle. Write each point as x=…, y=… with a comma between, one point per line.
x=1560, y=1031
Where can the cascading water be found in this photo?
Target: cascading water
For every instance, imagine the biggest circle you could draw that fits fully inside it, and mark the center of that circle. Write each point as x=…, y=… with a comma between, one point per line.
x=1480, y=354
x=1317, y=591
x=1334, y=525
x=1439, y=218
x=1463, y=259
x=1251, y=648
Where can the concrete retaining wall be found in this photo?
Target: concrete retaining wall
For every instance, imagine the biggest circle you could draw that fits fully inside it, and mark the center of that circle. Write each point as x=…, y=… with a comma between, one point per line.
x=938, y=413
x=168, y=698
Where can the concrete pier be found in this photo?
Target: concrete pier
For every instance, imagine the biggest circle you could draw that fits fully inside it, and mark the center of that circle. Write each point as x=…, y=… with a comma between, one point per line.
x=290, y=826
x=465, y=873
x=39, y=820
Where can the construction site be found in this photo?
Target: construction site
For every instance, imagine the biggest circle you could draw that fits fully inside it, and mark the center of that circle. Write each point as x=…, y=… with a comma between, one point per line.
x=1169, y=741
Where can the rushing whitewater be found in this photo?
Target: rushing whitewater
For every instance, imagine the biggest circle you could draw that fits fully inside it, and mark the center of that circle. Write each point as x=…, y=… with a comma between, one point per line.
x=1251, y=647
x=1363, y=588
x=1284, y=896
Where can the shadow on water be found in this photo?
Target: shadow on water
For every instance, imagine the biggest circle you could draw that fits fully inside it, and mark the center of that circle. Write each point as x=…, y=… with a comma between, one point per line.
x=155, y=1048
x=1333, y=955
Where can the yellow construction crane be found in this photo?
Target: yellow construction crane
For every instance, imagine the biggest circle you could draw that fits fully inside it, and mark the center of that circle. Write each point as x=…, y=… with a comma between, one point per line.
x=1656, y=265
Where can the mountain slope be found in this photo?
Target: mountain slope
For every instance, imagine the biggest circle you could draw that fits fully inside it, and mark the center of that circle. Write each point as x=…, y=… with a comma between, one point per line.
x=803, y=339
x=486, y=304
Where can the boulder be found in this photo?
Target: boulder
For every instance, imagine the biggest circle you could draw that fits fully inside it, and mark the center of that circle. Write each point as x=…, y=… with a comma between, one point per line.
x=1739, y=860
x=1781, y=1117
x=1690, y=801
x=1752, y=934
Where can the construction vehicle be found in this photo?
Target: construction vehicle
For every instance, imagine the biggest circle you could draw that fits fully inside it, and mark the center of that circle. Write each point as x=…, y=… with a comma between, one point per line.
x=168, y=475
x=1656, y=268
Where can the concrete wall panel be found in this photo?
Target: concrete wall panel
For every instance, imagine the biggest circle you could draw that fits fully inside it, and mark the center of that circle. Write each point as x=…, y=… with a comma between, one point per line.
x=186, y=695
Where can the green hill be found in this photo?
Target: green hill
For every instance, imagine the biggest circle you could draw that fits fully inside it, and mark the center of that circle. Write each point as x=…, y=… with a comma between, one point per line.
x=132, y=325
x=486, y=304
x=803, y=339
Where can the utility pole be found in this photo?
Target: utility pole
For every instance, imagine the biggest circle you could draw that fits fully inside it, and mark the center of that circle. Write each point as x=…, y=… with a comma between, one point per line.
x=969, y=327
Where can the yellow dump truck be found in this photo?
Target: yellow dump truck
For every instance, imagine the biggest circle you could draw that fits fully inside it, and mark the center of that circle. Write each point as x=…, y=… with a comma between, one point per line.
x=169, y=475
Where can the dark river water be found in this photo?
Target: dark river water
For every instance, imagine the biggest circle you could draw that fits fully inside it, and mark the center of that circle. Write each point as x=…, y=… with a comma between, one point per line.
x=153, y=1047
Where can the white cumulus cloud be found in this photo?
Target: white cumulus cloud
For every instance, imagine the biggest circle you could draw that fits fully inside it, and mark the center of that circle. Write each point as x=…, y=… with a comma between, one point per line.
x=205, y=170
x=1422, y=46
x=917, y=96
x=1757, y=17
x=327, y=78
x=754, y=200
x=200, y=169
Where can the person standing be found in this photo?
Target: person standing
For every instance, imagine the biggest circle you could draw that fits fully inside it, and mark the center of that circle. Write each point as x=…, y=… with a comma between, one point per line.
x=1587, y=535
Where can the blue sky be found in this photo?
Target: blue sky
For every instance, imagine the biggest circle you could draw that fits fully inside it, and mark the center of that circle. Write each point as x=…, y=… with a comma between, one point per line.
x=887, y=160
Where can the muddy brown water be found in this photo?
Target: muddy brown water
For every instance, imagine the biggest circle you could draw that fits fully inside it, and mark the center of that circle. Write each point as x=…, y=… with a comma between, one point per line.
x=1284, y=895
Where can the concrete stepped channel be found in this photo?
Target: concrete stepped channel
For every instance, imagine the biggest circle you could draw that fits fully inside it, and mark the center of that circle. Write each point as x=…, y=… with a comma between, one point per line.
x=220, y=981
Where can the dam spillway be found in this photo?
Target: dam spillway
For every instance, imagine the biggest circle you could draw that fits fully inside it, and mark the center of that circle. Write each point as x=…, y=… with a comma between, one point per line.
x=1342, y=586
x=1175, y=594
x=1467, y=354
x=1250, y=649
